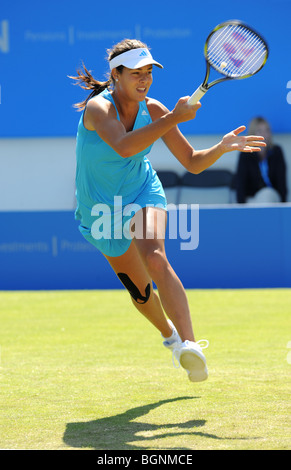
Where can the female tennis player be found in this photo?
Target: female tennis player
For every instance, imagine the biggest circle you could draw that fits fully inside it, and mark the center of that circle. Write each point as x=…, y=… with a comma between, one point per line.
x=116, y=131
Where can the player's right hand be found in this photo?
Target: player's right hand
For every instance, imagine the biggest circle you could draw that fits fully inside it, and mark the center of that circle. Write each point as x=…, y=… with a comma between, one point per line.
x=184, y=111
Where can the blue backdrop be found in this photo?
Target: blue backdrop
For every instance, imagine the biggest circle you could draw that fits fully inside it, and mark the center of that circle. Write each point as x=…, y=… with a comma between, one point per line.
x=43, y=42
x=238, y=248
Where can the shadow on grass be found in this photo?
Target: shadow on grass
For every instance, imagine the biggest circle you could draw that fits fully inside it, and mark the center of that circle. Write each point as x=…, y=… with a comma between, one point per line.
x=121, y=431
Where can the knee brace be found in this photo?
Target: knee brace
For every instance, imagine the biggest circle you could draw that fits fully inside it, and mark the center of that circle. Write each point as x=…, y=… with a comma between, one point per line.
x=133, y=290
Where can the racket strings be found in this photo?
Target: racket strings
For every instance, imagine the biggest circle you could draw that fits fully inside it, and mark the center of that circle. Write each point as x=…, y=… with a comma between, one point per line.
x=244, y=54
x=255, y=54
x=242, y=51
x=227, y=45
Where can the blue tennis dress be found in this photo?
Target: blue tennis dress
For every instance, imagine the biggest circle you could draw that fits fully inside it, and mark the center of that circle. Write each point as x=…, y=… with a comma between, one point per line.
x=110, y=189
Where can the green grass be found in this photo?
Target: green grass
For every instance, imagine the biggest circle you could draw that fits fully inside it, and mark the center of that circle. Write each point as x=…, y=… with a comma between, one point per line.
x=84, y=370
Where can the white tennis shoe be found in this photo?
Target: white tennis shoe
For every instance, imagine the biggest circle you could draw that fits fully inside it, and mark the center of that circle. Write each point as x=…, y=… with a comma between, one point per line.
x=190, y=356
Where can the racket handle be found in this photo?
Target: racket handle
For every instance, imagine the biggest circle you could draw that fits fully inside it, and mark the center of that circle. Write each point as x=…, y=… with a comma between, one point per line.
x=197, y=95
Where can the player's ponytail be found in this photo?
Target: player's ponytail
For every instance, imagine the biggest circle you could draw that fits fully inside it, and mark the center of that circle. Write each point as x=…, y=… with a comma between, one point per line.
x=86, y=81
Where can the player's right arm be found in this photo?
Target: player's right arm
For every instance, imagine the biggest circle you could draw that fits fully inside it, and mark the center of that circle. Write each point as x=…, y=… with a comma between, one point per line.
x=100, y=115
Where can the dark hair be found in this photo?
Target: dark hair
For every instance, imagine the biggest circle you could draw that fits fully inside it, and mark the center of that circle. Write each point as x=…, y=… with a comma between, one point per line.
x=253, y=128
x=85, y=79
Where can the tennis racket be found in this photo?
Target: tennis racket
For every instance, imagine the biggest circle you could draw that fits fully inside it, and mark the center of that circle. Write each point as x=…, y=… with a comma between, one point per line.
x=235, y=51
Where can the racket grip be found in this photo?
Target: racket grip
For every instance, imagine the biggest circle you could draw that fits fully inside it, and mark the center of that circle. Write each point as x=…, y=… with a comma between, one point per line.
x=197, y=95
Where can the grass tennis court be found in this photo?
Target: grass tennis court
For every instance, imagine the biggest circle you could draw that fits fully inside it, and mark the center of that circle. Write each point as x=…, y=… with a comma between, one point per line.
x=84, y=370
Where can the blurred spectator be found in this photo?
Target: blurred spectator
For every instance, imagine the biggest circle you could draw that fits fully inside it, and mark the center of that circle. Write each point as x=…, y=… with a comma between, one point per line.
x=261, y=176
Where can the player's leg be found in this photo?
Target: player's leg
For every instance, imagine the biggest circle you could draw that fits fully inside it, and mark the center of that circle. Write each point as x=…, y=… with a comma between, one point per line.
x=151, y=248
x=172, y=294
x=131, y=271
x=144, y=261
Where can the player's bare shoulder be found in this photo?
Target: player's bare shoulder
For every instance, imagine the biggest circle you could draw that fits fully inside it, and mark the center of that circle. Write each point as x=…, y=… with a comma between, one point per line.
x=156, y=108
x=99, y=104
x=98, y=109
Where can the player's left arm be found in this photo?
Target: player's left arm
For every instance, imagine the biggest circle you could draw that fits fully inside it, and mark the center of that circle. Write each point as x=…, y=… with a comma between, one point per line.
x=203, y=159
x=196, y=161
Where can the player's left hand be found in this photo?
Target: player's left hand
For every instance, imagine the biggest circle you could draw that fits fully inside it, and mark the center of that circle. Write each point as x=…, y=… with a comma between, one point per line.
x=234, y=141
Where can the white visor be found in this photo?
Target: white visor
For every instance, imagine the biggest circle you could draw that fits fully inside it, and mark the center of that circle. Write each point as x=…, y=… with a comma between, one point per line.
x=134, y=59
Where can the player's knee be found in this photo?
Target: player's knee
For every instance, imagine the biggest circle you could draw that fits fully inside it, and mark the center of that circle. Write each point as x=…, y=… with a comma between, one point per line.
x=139, y=297
x=156, y=263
